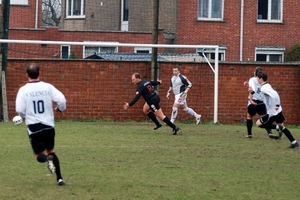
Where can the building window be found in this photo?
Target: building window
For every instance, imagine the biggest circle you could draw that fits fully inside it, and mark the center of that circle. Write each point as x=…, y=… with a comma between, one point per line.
x=210, y=9
x=269, y=10
x=125, y=15
x=17, y=2
x=65, y=52
x=91, y=50
x=75, y=8
x=142, y=50
x=210, y=53
x=269, y=54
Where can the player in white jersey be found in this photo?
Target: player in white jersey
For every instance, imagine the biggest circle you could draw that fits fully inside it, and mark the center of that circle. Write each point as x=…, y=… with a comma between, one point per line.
x=34, y=102
x=274, y=110
x=255, y=104
x=180, y=86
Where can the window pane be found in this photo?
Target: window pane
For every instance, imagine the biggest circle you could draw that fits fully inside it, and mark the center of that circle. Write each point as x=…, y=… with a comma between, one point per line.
x=125, y=10
x=203, y=8
x=216, y=11
x=69, y=7
x=276, y=58
x=142, y=51
x=107, y=49
x=261, y=57
x=276, y=9
x=76, y=7
x=65, y=52
x=262, y=9
x=88, y=51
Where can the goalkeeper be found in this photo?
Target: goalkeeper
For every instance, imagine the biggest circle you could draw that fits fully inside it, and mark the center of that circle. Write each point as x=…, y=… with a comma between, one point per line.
x=180, y=86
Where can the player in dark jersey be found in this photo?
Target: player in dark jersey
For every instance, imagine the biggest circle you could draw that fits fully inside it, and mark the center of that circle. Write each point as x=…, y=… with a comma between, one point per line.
x=151, y=108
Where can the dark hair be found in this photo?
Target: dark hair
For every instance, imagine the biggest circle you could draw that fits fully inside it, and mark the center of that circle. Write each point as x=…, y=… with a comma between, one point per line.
x=137, y=75
x=257, y=69
x=33, y=70
x=176, y=67
x=263, y=75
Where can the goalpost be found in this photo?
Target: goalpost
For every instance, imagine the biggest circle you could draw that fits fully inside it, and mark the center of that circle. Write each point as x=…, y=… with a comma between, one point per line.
x=201, y=52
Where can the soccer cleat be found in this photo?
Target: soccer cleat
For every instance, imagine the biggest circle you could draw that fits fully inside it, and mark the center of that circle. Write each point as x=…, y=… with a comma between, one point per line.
x=157, y=127
x=248, y=136
x=61, y=182
x=175, y=130
x=279, y=128
x=198, y=119
x=272, y=136
x=50, y=164
x=294, y=145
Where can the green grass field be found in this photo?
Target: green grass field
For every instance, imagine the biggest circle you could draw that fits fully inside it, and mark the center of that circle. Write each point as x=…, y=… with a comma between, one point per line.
x=107, y=160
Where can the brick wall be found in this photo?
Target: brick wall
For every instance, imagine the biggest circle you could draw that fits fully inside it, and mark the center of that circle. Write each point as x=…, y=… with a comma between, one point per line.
x=98, y=89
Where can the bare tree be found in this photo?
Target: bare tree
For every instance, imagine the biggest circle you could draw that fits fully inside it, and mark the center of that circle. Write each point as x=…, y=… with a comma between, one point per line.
x=51, y=12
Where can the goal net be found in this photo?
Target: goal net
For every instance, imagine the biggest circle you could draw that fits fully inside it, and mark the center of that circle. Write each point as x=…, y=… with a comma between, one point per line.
x=113, y=51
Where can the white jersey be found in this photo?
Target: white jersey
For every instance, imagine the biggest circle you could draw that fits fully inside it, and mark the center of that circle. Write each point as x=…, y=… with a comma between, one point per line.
x=253, y=83
x=34, y=102
x=179, y=83
x=271, y=99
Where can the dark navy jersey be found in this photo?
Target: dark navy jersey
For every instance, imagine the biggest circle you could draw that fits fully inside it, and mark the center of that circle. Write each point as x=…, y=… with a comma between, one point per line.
x=144, y=89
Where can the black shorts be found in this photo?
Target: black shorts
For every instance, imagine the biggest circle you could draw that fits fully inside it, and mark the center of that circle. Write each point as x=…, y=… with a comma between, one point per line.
x=260, y=109
x=279, y=118
x=154, y=103
x=42, y=140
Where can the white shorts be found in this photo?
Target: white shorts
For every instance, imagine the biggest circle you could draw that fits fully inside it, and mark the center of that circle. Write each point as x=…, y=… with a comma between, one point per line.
x=179, y=100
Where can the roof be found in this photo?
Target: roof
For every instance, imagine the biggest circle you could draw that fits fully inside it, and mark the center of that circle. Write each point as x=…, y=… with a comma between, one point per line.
x=145, y=57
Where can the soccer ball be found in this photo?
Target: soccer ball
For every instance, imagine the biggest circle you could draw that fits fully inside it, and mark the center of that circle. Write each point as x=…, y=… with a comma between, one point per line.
x=17, y=120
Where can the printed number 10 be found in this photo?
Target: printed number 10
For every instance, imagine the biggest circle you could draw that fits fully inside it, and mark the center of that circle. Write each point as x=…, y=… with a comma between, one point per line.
x=38, y=106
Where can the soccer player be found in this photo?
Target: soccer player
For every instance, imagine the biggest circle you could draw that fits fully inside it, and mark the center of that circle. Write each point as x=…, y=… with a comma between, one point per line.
x=274, y=110
x=151, y=108
x=181, y=86
x=34, y=102
x=255, y=104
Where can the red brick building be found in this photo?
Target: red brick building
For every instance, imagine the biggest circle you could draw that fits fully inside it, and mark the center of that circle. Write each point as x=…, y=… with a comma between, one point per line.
x=252, y=30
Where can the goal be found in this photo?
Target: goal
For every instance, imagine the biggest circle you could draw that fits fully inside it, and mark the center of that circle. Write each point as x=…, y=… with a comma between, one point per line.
x=117, y=51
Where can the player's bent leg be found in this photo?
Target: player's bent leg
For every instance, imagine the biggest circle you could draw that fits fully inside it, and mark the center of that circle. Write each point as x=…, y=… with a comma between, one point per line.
x=174, y=114
x=280, y=128
x=42, y=157
x=164, y=118
x=258, y=123
x=146, y=108
x=154, y=119
x=192, y=112
x=56, y=164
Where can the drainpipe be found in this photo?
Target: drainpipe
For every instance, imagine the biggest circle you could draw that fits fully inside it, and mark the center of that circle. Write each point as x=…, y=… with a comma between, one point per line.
x=36, y=13
x=6, y=10
x=242, y=30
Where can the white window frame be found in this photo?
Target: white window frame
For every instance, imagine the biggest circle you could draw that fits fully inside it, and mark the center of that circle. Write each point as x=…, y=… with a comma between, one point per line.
x=17, y=2
x=209, y=53
x=99, y=48
x=136, y=49
x=69, y=51
x=268, y=20
x=270, y=51
x=124, y=24
x=209, y=11
x=82, y=9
